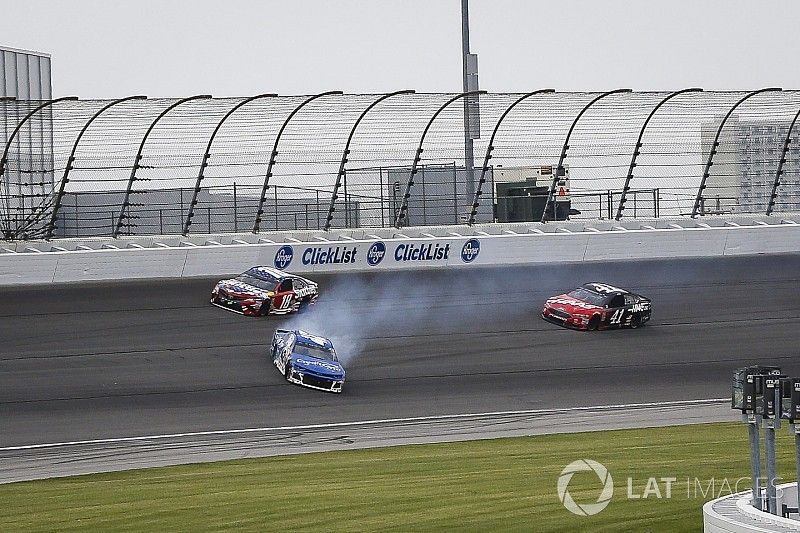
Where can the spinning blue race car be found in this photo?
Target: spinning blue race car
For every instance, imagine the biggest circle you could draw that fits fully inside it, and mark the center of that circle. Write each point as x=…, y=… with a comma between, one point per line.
x=307, y=360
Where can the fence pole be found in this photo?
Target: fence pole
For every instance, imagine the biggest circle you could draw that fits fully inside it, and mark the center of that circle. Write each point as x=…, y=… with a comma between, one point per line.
x=207, y=156
x=656, y=200
x=272, y=159
x=455, y=194
x=138, y=158
x=637, y=147
x=383, y=214
x=346, y=152
x=235, y=211
x=713, y=150
x=774, y=194
x=559, y=170
x=8, y=233
x=398, y=223
x=479, y=190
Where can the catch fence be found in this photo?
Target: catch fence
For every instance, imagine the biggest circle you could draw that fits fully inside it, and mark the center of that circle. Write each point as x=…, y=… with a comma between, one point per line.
x=138, y=166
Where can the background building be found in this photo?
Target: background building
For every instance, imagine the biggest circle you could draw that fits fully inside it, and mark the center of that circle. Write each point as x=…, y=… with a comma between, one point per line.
x=745, y=164
x=26, y=74
x=25, y=83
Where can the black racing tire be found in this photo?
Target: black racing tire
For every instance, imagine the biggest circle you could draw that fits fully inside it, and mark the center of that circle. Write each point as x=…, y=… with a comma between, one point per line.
x=264, y=310
x=287, y=371
x=636, y=322
x=303, y=306
x=594, y=323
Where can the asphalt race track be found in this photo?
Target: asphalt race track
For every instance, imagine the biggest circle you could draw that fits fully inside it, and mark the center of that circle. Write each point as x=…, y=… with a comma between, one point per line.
x=94, y=361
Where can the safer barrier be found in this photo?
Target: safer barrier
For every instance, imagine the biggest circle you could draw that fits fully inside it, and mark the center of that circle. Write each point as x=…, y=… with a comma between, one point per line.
x=451, y=247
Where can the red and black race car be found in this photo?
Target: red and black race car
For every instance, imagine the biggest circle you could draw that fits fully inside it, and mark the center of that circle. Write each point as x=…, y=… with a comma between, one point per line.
x=263, y=291
x=597, y=306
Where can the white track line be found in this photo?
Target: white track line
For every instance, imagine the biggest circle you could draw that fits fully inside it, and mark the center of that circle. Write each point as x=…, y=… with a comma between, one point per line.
x=434, y=418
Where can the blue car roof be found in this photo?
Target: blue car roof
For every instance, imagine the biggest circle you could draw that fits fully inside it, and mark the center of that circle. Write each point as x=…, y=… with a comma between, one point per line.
x=308, y=339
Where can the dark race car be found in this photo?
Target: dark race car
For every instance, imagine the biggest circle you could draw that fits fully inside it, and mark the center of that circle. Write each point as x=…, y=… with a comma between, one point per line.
x=597, y=306
x=307, y=360
x=263, y=291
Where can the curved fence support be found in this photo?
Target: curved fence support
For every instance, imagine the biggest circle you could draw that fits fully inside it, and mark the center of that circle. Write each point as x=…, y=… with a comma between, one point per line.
x=560, y=167
x=4, y=159
x=207, y=155
x=135, y=167
x=274, y=154
x=401, y=214
x=636, y=152
x=710, y=161
x=346, y=152
x=65, y=178
x=781, y=161
x=490, y=149
x=48, y=103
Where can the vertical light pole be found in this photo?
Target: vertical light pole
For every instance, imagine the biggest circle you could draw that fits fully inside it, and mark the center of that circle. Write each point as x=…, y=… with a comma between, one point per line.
x=753, y=422
x=772, y=422
x=470, y=84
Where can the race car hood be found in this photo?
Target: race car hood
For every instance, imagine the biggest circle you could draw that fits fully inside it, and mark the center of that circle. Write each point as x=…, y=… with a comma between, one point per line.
x=239, y=289
x=570, y=305
x=328, y=369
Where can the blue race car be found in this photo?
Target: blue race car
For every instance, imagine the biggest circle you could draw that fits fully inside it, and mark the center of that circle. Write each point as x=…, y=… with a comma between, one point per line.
x=307, y=360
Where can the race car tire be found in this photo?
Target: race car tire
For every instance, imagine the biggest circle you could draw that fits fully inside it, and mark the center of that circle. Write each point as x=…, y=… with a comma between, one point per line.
x=264, y=309
x=636, y=322
x=594, y=323
x=287, y=371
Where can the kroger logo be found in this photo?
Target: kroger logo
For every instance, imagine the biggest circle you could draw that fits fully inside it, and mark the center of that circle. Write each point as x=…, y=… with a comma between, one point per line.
x=376, y=253
x=283, y=257
x=591, y=508
x=470, y=250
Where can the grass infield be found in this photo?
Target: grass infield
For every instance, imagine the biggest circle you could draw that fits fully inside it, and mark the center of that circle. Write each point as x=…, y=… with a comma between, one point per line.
x=501, y=485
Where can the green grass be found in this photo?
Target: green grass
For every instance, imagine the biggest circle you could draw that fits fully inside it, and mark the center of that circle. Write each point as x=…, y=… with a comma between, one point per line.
x=501, y=485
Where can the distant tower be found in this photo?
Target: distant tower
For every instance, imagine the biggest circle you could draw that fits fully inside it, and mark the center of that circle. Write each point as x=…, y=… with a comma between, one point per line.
x=25, y=76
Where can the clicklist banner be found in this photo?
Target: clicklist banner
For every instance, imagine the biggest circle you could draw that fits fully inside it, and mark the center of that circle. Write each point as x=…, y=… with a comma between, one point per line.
x=363, y=255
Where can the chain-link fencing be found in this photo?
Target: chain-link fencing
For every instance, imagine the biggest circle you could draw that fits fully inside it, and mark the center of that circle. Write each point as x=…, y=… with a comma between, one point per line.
x=135, y=166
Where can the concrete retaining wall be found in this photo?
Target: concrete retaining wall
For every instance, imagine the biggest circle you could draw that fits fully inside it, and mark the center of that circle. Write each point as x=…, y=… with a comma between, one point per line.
x=184, y=258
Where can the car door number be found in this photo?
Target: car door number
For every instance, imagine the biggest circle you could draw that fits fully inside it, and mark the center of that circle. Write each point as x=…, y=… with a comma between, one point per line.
x=616, y=318
x=286, y=301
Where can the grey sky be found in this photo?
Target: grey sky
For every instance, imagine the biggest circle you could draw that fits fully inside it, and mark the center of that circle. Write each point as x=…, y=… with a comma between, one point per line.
x=104, y=49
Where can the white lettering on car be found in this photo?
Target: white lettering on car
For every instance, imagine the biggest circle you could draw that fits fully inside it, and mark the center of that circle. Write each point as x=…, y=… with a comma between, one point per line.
x=304, y=291
x=574, y=303
x=606, y=289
